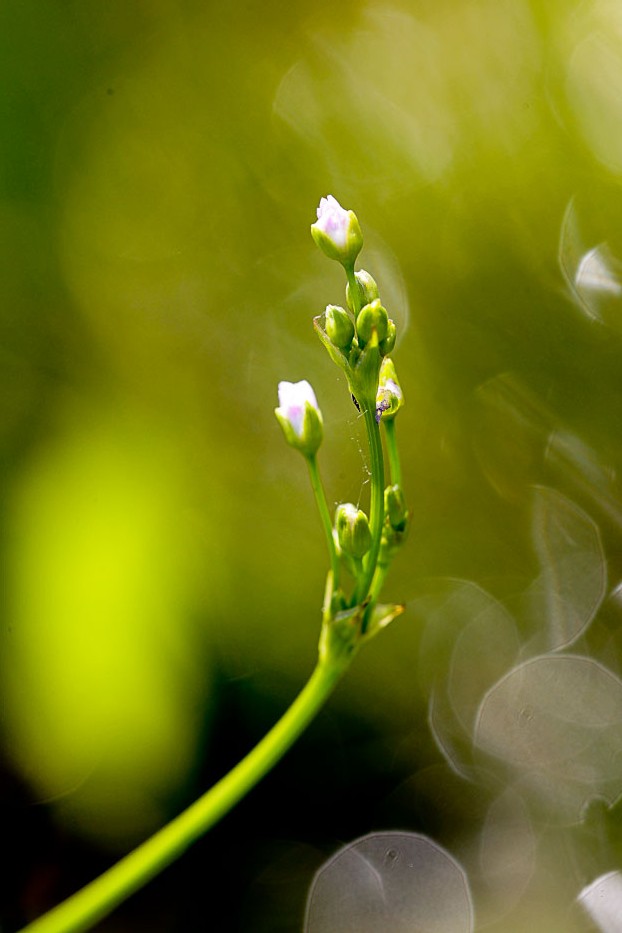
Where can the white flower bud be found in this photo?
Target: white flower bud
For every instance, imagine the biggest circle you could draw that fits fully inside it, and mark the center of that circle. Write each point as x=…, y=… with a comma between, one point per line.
x=300, y=417
x=337, y=232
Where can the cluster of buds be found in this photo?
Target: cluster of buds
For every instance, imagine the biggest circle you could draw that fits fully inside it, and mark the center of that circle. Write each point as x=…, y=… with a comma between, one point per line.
x=359, y=338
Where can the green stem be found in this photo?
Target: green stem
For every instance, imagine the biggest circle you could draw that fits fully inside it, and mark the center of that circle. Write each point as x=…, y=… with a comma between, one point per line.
x=327, y=522
x=357, y=567
x=392, y=452
x=354, y=290
x=378, y=582
x=97, y=899
x=376, y=505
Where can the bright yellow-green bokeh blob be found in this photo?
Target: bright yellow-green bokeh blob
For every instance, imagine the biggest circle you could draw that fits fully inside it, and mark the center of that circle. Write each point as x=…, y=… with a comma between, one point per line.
x=101, y=674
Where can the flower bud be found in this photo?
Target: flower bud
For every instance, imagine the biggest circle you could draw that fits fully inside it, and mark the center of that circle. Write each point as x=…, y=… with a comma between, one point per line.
x=339, y=326
x=387, y=345
x=353, y=531
x=366, y=287
x=300, y=417
x=337, y=232
x=372, y=317
x=395, y=507
x=389, y=398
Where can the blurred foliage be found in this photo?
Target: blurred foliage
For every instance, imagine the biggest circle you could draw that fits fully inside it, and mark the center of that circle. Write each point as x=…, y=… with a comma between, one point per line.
x=160, y=165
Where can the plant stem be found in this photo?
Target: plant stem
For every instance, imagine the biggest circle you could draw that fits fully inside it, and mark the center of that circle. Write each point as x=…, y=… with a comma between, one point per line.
x=376, y=505
x=357, y=567
x=378, y=581
x=97, y=899
x=392, y=451
x=327, y=522
x=354, y=291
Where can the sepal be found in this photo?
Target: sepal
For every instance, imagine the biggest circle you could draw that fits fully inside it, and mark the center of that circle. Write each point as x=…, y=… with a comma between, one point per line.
x=379, y=616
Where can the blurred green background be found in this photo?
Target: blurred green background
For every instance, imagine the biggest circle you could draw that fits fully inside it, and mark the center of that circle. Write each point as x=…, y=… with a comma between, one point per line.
x=163, y=563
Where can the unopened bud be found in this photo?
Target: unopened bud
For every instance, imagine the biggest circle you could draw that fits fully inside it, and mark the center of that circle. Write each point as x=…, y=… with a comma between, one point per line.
x=300, y=417
x=387, y=345
x=389, y=398
x=339, y=326
x=367, y=290
x=353, y=532
x=395, y=507
x=373, y=317
x=337, y=231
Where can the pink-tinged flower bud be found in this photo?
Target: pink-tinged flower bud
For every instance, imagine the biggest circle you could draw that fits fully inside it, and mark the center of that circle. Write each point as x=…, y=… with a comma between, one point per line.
x=337, y=232
x=300, y=417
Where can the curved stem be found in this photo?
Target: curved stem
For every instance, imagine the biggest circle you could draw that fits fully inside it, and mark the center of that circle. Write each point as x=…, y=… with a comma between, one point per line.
x=376, y=505
x=327, y=522
x=101, y=896
x=392, y=451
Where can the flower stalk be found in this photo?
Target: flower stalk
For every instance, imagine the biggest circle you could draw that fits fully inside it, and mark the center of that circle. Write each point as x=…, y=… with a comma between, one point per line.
x=359, y=340
x=395, y=467
x=320, y=498
x=360, y=346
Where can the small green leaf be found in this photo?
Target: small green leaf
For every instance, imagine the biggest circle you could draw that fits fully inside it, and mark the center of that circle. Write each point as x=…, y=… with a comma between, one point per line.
x=382, y=615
